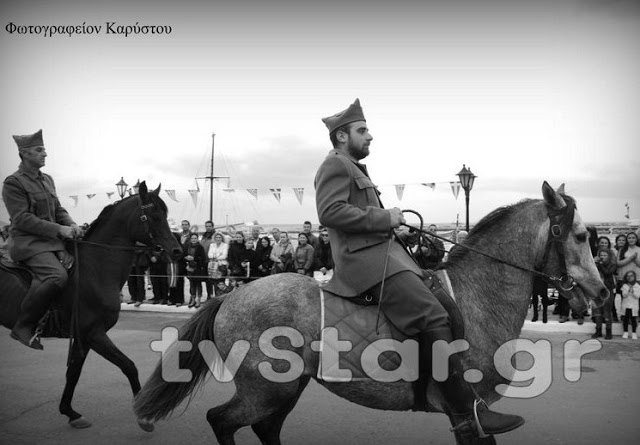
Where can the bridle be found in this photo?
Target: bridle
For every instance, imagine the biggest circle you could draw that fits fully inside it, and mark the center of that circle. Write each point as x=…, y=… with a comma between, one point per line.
x=144, y=219
x=560, y=222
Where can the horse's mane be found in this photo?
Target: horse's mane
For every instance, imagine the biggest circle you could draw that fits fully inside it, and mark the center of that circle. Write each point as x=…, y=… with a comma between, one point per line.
x=486, y=224
x=105, y=214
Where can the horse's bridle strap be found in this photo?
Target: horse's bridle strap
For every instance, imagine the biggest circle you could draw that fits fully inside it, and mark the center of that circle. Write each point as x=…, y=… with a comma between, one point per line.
x=560, y=222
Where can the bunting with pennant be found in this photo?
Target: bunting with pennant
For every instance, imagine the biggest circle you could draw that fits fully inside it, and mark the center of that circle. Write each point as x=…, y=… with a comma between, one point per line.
x=299, y=192
x=253, y=192
x=172, y=194
x=276, y=193
x=431, y=185
x=455, y=188
x=194, y=197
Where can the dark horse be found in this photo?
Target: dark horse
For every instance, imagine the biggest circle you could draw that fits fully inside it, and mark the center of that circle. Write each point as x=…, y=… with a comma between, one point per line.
x=103, y=263
x=493, y=298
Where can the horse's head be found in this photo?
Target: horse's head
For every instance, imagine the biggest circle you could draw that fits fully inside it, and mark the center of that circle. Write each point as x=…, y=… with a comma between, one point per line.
x=567, y=251
x=151, y=226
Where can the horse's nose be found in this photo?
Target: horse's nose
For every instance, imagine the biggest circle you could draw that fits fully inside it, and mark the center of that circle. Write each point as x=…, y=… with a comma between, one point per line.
x=604, y=293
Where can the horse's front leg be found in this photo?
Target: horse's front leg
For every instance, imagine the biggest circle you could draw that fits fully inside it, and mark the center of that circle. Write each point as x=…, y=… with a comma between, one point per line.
x=102, y=344
x=79, y=350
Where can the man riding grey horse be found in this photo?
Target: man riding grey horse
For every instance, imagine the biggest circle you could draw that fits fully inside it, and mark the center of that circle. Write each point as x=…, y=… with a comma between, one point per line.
x=368, y=259
x=39, y=223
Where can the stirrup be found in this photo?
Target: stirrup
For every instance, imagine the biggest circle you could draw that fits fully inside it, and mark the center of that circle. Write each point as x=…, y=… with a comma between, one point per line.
x=468, y=424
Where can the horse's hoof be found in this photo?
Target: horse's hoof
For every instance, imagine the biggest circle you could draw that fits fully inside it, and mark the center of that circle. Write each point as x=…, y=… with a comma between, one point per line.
x=146, y=425
x=80, y=422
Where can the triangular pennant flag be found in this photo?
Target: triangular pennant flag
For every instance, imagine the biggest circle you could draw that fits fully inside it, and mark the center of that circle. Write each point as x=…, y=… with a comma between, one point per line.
x=455, y=188
x=91, y=195
x=75, y=200
x=299, y=192
x=109, y=194
x=253, y=192
x=276, y=193
x=399, y=191
x=197, y=186
x=194, y=197
x=172, y=195
x=431, y=185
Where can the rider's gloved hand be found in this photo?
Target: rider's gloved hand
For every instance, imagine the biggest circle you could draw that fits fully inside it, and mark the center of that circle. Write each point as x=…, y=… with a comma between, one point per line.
x=78, y=231
x=66, y=232
x=396, y=217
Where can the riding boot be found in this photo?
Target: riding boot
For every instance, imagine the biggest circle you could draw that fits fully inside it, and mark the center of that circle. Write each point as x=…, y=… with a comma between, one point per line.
x=198, y=298
x=33, y=308
x=544, y=314
x=468, y=412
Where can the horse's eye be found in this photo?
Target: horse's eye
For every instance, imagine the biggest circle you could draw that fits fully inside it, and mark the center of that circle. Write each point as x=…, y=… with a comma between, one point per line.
x=582, y=237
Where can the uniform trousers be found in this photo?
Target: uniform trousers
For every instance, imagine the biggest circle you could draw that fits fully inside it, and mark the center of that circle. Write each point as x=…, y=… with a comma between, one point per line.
x=47, y=266
x=410, y=305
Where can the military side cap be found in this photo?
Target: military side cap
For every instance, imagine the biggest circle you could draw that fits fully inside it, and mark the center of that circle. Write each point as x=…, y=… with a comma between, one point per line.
x=351, y=114
x=29, y=140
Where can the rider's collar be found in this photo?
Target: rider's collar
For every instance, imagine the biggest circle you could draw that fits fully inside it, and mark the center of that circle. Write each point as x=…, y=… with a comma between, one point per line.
x=32, y=173
x=347, y=155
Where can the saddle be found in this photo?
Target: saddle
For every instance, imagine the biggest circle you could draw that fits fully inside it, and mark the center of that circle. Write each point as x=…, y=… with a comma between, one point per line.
x=358, y=321
x=56, y=323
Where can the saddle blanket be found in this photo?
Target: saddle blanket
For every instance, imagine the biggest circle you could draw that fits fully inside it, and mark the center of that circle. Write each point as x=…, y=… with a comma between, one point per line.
x=352, y=349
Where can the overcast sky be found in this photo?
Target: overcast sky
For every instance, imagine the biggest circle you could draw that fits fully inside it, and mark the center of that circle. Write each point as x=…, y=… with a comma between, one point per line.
x=520, y=91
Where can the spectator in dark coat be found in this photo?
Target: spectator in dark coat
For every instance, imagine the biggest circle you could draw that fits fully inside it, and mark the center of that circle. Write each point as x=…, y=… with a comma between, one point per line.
x=323, y=262
x=135, y=282
x=195, y=261
x=263, y=260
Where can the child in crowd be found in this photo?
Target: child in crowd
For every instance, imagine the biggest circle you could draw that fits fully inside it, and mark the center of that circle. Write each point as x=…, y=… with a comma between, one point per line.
x=606, y=263
x=630, y=294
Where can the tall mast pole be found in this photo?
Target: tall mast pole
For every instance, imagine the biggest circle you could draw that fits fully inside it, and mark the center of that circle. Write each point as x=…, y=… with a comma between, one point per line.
x=211, y=178
x=213, y=136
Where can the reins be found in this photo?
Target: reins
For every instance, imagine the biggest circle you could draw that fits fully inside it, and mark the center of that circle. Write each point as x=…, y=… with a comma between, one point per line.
x=557, y=235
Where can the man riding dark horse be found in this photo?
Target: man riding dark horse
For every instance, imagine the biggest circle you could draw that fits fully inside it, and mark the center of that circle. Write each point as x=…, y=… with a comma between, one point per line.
x=39, y=224
x=369, y=261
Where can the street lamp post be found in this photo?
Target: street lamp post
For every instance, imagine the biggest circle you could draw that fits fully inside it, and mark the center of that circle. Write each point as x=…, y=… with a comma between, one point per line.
x=466, y=181
x=122, y=187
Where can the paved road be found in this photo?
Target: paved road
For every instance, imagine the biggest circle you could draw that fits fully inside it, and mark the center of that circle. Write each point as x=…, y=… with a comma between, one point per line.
x=602, y=407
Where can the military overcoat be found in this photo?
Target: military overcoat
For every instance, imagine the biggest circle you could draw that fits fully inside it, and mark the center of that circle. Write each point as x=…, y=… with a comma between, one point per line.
x=349, y=205
x=36, y=214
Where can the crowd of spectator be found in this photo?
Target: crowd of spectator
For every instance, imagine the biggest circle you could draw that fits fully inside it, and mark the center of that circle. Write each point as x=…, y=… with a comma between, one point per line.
x=619, y=267
x=221, y=260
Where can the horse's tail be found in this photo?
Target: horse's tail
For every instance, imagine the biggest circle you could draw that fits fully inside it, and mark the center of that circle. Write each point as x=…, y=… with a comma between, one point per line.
x=158, y=398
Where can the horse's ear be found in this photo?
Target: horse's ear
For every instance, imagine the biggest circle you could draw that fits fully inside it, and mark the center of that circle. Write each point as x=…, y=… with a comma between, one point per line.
x=143, y=189
x=157, y=191
x=552, y=198
x=561, y=189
